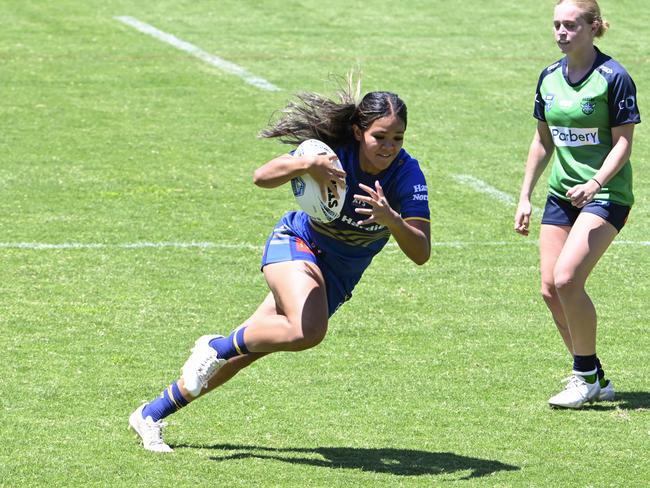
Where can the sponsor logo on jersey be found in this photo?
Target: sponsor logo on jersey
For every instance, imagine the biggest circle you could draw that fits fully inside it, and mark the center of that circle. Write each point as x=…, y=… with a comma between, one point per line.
x=627, y=103
x=588, y=105
x=566, y=103
x=568, y=136
x=552, y=67
x=606, y=70
x=368, y=228
x=420, y=193
x=549, y=98
x=358, y=203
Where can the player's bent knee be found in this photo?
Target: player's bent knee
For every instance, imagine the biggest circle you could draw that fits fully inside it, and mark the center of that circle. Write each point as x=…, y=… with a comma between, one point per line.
x=315, y=337
x=307, y=336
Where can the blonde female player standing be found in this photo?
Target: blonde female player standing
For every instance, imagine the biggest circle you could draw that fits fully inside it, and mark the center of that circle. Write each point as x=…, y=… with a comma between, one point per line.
x=586, y=110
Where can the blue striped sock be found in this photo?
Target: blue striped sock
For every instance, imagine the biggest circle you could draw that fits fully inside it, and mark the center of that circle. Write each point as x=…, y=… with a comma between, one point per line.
x=231, y=346
x=169, y=401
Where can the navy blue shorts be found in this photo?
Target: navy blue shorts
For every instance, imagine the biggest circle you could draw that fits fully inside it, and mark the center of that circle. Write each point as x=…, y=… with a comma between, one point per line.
x=561, y=212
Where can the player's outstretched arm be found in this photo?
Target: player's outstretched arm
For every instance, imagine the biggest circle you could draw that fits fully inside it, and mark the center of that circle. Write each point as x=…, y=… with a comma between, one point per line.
x=412, y=236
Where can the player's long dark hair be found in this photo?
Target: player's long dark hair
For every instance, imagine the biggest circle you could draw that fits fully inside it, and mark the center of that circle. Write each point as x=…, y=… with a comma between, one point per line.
x=313, y=116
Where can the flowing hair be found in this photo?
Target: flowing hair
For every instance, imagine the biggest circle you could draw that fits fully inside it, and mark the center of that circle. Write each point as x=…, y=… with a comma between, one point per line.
x=314, y=116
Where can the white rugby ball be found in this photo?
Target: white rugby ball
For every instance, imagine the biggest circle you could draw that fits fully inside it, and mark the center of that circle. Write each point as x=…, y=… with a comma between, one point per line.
x=307, y=191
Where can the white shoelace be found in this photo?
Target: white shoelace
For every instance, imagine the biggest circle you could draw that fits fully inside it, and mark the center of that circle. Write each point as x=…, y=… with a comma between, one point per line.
x=153, y=432
x=206, y=368
x=573, y=381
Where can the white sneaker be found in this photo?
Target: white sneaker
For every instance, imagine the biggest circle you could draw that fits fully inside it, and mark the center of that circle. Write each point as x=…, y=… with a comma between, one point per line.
x=149, y=431
x=607, y=393
x=576, y=394
x=202, y=364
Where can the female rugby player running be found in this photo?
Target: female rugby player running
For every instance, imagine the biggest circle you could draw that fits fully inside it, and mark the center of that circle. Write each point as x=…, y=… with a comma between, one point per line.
x=586, y=110
x=311, y=268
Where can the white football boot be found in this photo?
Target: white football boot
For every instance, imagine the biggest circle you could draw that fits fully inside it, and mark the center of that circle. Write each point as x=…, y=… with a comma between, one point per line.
x=576, y=394
x=149, y=431
x=202, y=364
x=607, y=392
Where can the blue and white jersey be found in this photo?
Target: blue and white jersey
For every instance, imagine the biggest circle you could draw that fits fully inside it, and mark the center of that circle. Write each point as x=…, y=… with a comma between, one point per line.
x=404, y=187
x=344, y=248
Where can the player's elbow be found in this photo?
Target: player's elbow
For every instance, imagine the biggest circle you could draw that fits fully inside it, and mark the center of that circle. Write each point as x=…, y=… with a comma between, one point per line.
x=260, y=179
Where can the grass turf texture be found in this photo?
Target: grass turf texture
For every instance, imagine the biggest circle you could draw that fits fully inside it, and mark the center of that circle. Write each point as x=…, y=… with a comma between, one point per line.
x=428, y=376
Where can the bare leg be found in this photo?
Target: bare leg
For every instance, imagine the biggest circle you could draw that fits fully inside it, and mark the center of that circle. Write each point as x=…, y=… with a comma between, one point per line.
x=292, y=317
x=551, y=242
x=589, y=238
x=300, y=320
x=236, y=364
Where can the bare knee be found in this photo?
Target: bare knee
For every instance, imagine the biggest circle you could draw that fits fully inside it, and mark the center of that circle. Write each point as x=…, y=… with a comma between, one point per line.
x=566, y=282
x=306, y=336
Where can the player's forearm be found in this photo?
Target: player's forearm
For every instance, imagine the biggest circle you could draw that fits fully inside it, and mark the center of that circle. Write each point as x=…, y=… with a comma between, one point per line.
x=538, y=157
x=615, y=160
x=279, y=170
x=413, y=242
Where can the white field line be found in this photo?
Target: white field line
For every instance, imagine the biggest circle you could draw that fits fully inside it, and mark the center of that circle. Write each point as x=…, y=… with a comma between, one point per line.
x=482, y=187
x=216, y=61
x=37, y=246
x=126, y=245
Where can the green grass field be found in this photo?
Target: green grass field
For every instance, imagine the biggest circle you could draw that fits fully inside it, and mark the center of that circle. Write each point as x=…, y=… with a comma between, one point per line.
x=430, y=376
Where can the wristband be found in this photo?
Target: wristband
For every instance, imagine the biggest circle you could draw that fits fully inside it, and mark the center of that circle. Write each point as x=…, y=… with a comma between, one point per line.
x=598, y=182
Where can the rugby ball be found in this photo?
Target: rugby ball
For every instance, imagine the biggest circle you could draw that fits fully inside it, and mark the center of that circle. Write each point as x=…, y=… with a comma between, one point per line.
x=307, y=191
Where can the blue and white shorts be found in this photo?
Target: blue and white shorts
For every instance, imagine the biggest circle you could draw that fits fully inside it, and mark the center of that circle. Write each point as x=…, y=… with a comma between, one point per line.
x=284, y=245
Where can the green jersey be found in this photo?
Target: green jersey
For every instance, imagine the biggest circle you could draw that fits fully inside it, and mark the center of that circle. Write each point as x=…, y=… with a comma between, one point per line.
x=580, y=117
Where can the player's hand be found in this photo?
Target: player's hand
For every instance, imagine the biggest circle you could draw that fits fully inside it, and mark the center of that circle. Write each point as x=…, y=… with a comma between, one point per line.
x=380, y=211
x=582, y=194
x=324, y=171
x=322, y=168
x=522, y=217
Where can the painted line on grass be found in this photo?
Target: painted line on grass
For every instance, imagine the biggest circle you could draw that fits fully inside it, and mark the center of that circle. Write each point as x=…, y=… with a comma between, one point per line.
x=482, y=187
x=126, y=245
x=190, y=48
x=37, y=246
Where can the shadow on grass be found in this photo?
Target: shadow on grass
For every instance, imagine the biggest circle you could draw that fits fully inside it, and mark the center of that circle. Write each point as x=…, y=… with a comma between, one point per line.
x=632, y=400
x=625, y=400
x=403, y=462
